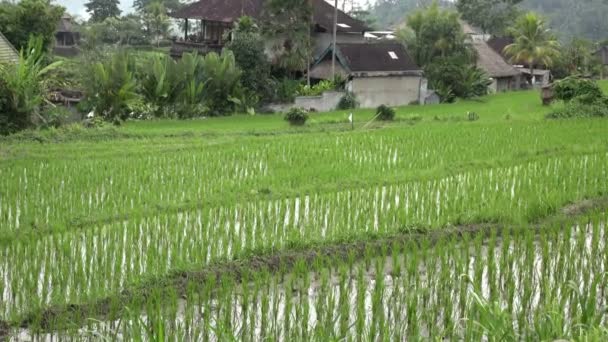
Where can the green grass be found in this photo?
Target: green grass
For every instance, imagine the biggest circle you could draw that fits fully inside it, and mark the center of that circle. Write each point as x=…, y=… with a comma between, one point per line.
x=524, y=106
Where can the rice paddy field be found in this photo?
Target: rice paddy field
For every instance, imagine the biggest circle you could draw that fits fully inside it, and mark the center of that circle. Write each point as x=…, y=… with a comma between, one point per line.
x=431, y=227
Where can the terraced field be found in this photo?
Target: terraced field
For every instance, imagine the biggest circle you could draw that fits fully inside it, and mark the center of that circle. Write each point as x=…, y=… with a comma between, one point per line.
x=430, y=227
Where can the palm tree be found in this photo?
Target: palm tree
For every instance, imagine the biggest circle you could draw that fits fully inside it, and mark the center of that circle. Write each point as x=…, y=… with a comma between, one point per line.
x=534, y=42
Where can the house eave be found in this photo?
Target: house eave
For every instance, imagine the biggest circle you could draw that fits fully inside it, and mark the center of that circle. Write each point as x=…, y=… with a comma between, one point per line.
x=418, y=73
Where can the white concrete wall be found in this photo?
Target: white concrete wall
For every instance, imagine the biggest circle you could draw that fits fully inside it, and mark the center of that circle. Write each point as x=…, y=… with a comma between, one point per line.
x=328, y=101
x=372, y=92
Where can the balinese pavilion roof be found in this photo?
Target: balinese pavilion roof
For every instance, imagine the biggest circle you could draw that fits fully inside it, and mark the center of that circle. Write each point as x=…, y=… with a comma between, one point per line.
x=229, y=11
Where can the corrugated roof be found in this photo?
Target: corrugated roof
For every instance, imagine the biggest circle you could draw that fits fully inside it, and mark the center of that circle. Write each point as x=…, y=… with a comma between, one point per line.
x=376, y=57
x=493, y=63
x=230, y=10
x=8, y=53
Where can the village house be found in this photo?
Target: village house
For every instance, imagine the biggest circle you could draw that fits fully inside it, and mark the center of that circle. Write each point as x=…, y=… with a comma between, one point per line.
x=541, y=77
x=215, y=18
x=66, y=37
x=505, y=77
x=8, y=53
x=376, y=73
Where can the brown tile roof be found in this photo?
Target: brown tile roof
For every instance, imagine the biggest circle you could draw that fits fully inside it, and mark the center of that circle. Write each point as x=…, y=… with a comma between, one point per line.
x=375, y=57
x=230, y=10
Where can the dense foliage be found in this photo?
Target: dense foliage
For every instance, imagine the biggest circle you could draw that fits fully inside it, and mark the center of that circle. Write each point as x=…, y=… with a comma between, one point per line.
x=583, y=98
x=435, y=39
x=288, y=26
x=23, y=88
x=534, y=43
x=492, y=16
x=121, y=85
x=23, y=19
x=248, y=47
x=572, y=88
x=100, y=10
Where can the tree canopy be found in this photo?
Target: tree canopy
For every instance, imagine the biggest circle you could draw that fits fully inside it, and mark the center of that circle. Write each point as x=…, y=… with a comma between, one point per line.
x=19, y=21
x=100, y=10
x=492, y=16
x=534, y=42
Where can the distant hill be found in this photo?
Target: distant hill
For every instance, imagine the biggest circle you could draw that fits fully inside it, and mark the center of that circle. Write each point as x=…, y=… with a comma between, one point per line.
x=588, y=19
x=568, y=18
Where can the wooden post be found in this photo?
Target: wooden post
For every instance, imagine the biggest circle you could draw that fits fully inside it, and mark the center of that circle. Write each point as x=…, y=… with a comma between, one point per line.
x=186, y=31
x=204, y=28
x=333, y=52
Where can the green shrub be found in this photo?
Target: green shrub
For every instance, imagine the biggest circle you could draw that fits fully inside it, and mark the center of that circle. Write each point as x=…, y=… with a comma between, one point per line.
x=55, y=117
x=472, y=116
x=285, y=89
x=385, y=113
x=348, y=101
x=223, y=92
x=317, y=89
x=111, y=87
x=296, y=116
x=573, y=87
x=23, y=87
x=580, y=110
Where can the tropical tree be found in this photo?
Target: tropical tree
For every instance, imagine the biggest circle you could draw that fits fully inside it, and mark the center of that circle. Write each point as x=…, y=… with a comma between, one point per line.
x=156, y=20
x=433, y=33
x=23, y=87
x=247, y=46
x=492, y=16
x=100, y=10
x=289, y=27
x=534, y=43
x=223, y=89
x=110, y=87
x=21, y=20
x=436, y=41
x=171, y=5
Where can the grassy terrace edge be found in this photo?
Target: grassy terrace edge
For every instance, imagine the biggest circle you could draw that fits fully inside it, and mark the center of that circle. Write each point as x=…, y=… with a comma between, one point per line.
x=55, y=317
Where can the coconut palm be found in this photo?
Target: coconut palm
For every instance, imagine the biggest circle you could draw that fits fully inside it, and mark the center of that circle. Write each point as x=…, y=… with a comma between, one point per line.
x=533, y=42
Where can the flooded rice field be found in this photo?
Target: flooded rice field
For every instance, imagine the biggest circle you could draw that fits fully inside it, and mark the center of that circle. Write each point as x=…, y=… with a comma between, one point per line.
x=408, y=290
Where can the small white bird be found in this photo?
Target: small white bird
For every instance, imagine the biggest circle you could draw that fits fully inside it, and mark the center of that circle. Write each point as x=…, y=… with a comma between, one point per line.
x=91, y=115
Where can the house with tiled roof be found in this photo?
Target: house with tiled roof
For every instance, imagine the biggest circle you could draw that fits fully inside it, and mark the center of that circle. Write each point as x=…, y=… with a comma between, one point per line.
x=215, y=18
x=8, y=53
x=376, y=73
